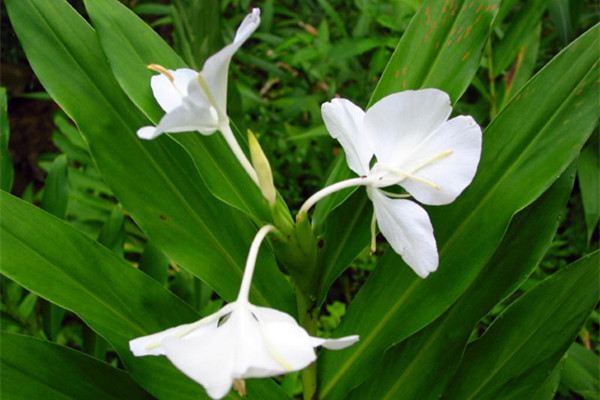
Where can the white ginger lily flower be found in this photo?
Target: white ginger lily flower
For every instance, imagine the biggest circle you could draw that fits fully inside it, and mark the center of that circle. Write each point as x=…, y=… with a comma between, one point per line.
x=197, y=101
x=415, y=146
x=239, y=341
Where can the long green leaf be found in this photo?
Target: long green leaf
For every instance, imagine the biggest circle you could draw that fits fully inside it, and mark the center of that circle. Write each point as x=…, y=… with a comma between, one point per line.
x=56, y=188
x=6, y=168
x=441, y=48
x=113, y=298
x=516, y=33
x=422, y=366
x=196, y=29
x=588, y=176
x=34, y=369
x=547, y=390
x=131, y=45
x=529, y=144
x=156, y=181
x=117, y=301
x=581, y=372
x=521, y=348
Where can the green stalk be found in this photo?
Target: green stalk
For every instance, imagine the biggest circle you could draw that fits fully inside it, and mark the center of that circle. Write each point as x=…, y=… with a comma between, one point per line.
x=307, y=319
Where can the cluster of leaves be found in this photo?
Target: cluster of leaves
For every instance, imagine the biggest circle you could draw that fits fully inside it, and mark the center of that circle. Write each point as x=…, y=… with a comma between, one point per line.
x=302, y=56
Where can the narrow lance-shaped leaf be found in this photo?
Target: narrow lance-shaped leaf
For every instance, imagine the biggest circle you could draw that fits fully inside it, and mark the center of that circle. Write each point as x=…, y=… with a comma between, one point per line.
x=34, y=369
x=422, y=366
x=588, y=177
x=524, y=65
x=55, y=200
x=116, y=300
x=529, y=337
x=549, y=121
x=581, y=372
x=547, y=390
x=517, y=30
x=6, y=167
x=156, y=181
x=196, y=29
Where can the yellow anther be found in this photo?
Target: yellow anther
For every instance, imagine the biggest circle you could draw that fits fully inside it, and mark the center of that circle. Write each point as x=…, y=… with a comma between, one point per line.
x=161, y=70
x=239, y=385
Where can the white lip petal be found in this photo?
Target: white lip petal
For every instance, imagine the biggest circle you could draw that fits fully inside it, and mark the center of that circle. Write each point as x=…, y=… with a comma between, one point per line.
x=216, y=67
x=208, y=358
x=407, y=228
x=458, y=141
x=169, y=93
x=185, y=119
x=252, y=358
x=288, y=346
x=399, y=122
x=151, y=345
x=344, y=121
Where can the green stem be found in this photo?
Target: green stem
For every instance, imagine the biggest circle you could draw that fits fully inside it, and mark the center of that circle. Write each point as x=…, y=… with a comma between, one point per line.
x=307, y=319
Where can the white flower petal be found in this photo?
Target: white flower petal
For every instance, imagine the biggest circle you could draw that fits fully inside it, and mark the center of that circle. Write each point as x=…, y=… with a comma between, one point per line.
x=407, y=228
x=183, y=119
x=268, y=315
x=148, y=132
x=215, y=69
x=207, y=358
x=335, y=344
x=151, y=345
x=288, y=345
x=399, y=122
x=252, y=358
x=344, y=121
x=169, y=93
x=457, y=146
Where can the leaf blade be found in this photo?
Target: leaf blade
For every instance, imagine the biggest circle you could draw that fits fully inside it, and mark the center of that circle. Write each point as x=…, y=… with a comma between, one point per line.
x=73, y=374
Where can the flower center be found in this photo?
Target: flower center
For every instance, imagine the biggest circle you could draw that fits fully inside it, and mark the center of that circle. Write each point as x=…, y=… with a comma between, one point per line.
x=387, y=175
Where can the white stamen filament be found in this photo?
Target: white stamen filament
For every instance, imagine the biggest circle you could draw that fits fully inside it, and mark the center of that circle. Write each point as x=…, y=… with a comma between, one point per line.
x=161, y=70
x=373, y=234
x=209, y=96
x=434, y=159
x=326, y=191
x=237, y=151
x=405, y=174
x=251, y=263
x=227, y=132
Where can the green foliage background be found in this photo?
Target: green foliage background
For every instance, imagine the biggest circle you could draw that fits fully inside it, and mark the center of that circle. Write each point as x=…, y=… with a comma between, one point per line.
x=517, y=272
